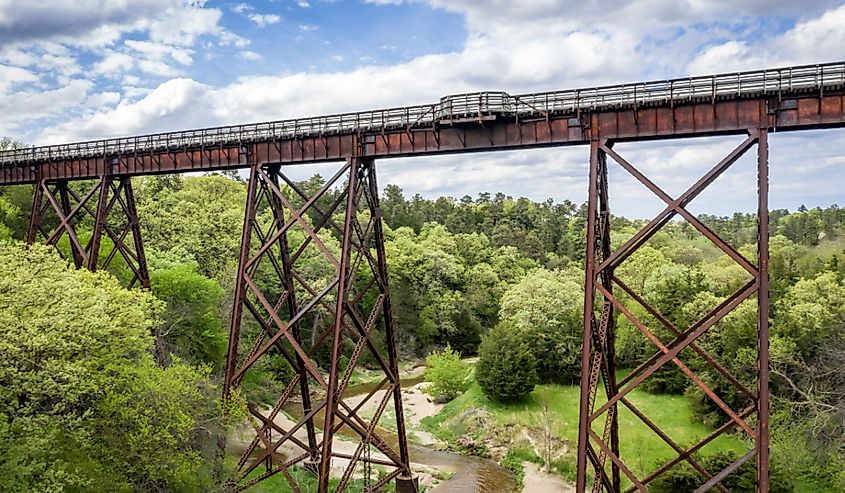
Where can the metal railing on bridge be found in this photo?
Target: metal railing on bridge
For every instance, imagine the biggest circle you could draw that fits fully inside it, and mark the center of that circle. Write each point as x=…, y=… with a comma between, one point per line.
x=460, y=107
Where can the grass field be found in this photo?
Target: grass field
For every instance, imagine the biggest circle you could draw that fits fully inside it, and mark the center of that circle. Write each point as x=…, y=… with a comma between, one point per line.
x=640, y=447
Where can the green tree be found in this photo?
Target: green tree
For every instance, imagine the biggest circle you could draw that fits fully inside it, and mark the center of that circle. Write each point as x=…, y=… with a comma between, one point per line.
x=483, y=294
x=159, y=420
x=8, y=212
x=637, y=268
x=545, y=309
x=506, y=369
x=190, y=326
x=14, y=200
x=783, y=264
x=395, y=209
x=435, y=275
x=80, y=397
x=446, y=374
x=671, y=286
x=802, y=227
x=810, y=311
x=201, y=214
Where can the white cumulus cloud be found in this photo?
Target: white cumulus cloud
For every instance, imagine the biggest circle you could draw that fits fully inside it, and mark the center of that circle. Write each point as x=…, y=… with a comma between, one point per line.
x=527, y=46
x=262, y=20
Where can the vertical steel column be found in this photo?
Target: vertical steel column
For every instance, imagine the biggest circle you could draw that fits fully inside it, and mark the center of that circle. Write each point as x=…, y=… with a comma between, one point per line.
x=589, y=321
x=240, y=286
x=237, y=311
x=342, y=297
x=763, y=312
x=99, y=223
x=134, y=227
x=407, y=482
x=35, y=214
x=64, y=197
x=608, y=333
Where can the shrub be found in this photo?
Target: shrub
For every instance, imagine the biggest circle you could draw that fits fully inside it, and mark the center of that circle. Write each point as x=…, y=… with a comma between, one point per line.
x=683, y=478
x=446, y=374
x=669, y=379
x=506, y=369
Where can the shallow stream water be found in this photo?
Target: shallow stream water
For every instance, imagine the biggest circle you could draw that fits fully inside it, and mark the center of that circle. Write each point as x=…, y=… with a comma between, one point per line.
x=471, y=474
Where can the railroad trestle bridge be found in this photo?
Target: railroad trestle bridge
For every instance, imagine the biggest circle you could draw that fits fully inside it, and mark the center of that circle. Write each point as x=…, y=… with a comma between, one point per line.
x=747, y=104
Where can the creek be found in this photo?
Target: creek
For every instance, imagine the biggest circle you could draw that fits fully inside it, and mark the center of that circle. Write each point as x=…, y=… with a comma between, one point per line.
x=470, y=474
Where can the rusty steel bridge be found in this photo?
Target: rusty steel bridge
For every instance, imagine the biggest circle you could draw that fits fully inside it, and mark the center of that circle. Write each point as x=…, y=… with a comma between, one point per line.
x=749, y=105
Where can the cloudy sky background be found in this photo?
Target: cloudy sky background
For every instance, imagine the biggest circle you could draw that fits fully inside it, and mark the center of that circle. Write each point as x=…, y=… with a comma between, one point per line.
x=83, y=69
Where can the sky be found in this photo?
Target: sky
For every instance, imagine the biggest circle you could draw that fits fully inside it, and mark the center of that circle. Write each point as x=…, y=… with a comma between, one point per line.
x=84, y=69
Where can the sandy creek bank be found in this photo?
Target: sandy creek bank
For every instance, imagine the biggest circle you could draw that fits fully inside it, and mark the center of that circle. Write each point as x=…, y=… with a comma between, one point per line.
x=464, y=473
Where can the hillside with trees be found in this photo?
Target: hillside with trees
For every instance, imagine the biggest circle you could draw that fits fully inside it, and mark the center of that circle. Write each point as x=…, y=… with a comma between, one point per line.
x=89, y=392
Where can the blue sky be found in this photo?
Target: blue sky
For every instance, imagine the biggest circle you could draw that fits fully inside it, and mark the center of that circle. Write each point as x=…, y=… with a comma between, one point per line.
x=82, y=69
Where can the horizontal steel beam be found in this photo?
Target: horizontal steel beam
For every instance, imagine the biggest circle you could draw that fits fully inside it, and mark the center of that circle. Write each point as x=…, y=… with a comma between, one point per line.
x=786, y=112
x=464, y=107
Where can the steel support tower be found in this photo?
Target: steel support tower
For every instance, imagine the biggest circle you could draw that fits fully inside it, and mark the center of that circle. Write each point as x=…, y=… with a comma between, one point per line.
x=84, y=205
x=607, y=296
x=354, y=297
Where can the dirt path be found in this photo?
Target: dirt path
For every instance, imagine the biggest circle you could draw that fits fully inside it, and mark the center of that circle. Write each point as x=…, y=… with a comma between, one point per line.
x=416, y=404
x=470, y=473
x=538, y=481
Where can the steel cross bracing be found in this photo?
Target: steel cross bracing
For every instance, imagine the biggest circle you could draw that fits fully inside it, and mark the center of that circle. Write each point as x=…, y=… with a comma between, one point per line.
x=783, y=98
x=600, y=453
x=108, y=208
x=287, y=234
x=307, y=258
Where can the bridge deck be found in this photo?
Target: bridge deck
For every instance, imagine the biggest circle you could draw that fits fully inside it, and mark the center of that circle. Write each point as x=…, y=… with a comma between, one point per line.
x=789, y=98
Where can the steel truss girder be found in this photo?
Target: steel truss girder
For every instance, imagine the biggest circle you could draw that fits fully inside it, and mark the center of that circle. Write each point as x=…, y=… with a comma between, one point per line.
x=598, y=354
x=110, y=205
x=274, y=288
x=787, y=110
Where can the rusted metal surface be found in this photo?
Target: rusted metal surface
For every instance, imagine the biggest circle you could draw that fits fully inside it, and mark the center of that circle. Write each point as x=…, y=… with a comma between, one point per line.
x=598, y=341
x=762, y=441
x=274, y=295
x=790, y=98
x=285, y=231
x=57, y=209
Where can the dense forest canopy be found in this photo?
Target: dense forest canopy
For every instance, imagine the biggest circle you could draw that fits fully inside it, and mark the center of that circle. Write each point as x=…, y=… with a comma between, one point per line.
x=459, y=269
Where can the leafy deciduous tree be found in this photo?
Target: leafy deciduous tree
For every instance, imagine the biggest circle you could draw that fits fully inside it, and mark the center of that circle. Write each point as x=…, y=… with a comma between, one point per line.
x=446, y=374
